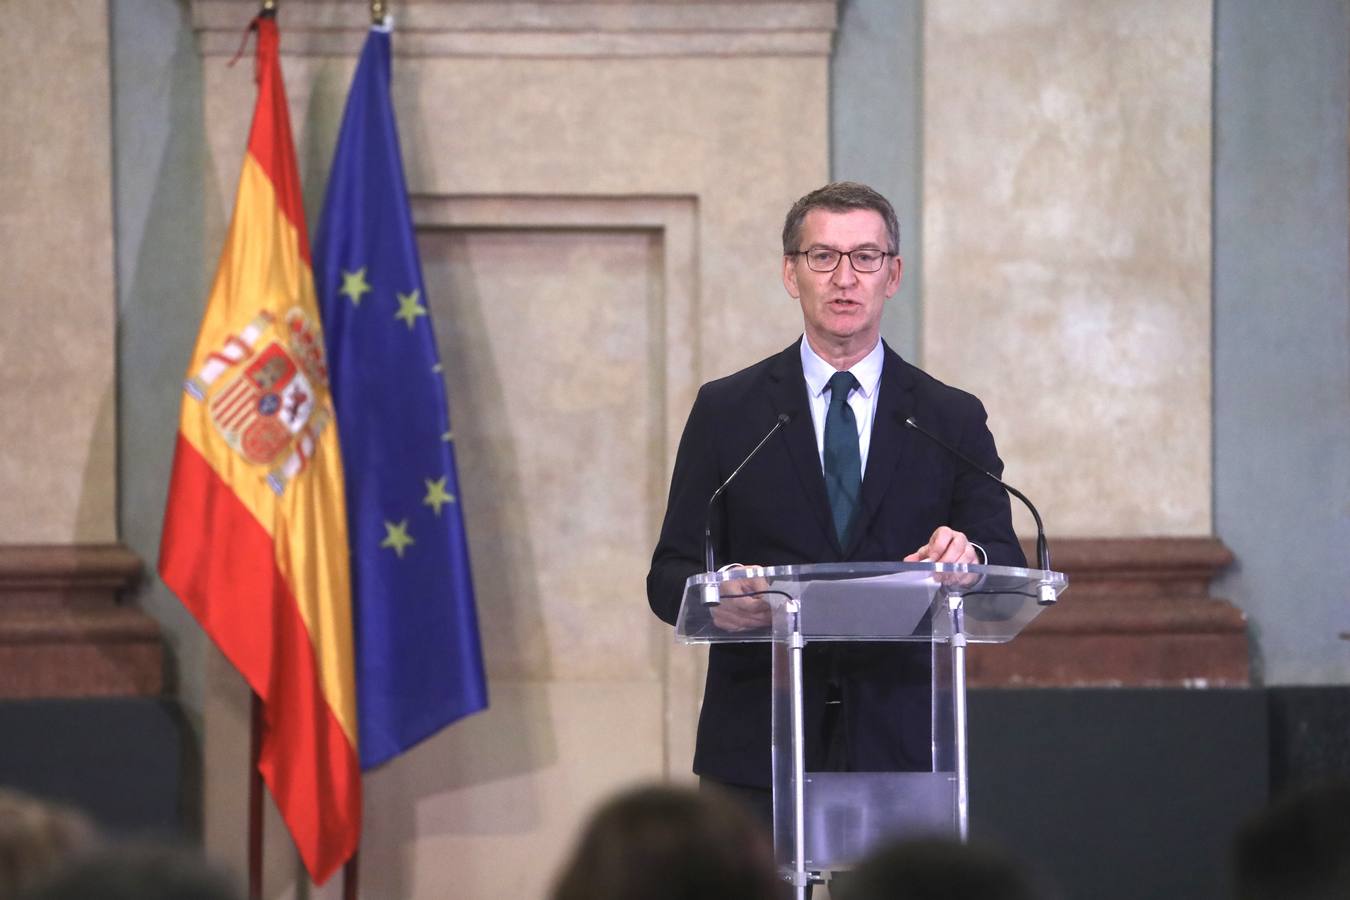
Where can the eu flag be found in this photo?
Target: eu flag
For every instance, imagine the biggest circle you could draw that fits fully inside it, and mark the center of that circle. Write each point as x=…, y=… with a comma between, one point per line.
x=419, y=665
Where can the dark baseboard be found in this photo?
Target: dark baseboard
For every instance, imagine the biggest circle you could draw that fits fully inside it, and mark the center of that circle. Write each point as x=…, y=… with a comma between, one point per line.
x=1119, y=793
x=1137, y=792
x=123, y=760
x=1309, y=736
x=1111, y=792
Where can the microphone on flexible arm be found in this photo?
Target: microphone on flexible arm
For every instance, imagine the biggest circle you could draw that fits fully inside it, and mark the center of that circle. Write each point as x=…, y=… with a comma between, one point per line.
x=1046, y=596
x=711, y=594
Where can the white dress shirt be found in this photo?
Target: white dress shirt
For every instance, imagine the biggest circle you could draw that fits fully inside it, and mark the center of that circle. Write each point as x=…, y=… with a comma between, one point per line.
x=862, y=399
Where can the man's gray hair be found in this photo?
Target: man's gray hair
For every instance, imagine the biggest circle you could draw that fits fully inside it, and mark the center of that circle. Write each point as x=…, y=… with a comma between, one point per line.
x=840, y=196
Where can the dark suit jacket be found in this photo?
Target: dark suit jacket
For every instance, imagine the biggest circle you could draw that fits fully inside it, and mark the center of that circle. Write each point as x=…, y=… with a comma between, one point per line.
x=776, y=513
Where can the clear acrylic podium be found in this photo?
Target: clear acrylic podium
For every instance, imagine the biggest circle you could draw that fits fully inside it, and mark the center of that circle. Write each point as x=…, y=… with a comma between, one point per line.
x=828, y=820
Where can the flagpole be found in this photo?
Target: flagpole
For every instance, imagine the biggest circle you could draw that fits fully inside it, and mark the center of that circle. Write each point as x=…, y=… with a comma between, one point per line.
x=351, y=871
x=350, y=877
x=255, y=788
x=255, y=779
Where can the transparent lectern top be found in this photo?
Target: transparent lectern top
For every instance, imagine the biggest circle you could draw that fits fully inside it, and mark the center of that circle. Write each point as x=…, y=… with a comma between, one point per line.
x=864, y=601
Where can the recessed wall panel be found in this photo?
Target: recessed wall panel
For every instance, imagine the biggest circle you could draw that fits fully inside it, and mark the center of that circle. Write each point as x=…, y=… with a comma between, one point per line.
x=546, y=340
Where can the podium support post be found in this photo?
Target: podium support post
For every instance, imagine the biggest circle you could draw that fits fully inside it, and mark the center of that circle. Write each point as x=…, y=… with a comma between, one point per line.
x=958, y=623
x=796, y=645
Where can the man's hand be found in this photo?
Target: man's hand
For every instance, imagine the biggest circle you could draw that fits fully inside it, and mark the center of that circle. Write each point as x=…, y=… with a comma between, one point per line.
x=945, y=546
x=741, y=609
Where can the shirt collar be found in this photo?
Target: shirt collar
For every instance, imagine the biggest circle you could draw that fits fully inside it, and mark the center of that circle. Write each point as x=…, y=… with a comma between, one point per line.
x=817, y=371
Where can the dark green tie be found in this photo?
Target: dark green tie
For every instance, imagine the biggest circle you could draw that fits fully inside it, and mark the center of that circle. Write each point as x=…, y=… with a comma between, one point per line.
x=843, y=463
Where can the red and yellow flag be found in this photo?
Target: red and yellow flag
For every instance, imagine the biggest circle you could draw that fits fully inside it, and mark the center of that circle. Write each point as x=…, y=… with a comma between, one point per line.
x=255, y=535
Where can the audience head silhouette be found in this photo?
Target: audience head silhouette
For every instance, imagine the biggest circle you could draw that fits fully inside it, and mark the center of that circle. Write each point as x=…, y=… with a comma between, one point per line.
x=35, y=837
x=136, y=872
x=668, y=843
x=935, y=869
x=1297, y=849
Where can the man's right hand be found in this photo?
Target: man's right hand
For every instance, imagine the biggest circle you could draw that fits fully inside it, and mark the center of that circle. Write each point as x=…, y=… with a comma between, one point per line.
x=742, y=608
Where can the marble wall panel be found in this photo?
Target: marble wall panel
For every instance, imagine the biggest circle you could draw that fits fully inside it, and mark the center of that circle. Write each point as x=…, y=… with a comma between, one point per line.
x=556, y=383
x=57, y=382
x=505, y=811
x=1067, y=249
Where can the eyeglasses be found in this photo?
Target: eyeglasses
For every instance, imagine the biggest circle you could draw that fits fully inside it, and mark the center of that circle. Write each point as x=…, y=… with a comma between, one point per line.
x=825, y=259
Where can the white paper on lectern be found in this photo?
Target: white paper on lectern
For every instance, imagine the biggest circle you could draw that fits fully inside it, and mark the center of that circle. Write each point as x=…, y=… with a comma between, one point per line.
x=894, y=605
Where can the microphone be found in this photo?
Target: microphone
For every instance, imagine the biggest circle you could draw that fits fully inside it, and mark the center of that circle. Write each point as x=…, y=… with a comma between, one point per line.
x=711, y=595
x=1047, y=593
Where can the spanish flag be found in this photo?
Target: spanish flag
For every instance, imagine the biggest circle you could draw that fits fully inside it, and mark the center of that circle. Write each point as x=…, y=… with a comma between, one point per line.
x=255, y=535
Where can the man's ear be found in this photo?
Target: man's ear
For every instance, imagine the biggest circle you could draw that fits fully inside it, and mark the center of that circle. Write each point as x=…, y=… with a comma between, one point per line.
x=893, y=280
x=790, y=276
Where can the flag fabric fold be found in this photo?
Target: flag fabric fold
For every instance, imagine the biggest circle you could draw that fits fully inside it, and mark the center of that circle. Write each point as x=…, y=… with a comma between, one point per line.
x=419, y=662
x=255, y=530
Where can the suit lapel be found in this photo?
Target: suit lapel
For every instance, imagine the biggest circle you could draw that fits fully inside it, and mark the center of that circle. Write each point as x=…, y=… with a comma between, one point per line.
x=892, y=445
x=787, y=392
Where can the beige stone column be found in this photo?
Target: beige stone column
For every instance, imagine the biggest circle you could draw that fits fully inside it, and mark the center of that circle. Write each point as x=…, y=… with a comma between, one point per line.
x=1067, y=249
x=62, y=633
x=59, y=457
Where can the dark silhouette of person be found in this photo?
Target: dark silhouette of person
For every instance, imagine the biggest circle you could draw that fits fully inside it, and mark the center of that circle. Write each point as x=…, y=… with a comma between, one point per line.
x=668, y=843
x=935, y=869
x=1296, y=849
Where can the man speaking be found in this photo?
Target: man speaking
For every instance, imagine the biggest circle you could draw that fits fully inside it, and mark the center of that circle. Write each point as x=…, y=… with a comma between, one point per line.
x=844, y=480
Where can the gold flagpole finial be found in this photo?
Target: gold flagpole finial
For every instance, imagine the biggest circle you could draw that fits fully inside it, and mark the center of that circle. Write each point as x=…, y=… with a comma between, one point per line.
x=378, y=10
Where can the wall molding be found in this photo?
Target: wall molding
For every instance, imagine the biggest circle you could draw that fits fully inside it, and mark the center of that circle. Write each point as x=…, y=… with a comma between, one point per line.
x=63, y=632
x=1138, y=613
x=675, y=219
x=476, y=28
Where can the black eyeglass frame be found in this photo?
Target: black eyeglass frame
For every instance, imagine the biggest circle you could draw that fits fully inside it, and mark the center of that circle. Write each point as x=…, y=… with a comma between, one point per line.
x=840, y=258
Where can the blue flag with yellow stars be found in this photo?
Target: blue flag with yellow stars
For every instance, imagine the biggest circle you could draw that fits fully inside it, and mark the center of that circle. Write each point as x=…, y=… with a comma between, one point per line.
x=419, y=665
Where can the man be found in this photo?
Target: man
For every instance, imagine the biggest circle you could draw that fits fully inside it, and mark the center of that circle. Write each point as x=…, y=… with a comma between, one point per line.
x=844, y=480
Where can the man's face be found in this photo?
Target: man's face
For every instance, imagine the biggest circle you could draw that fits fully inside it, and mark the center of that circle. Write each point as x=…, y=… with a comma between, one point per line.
x=842, y=309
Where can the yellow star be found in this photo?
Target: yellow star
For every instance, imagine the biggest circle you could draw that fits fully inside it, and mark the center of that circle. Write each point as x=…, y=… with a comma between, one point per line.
x=409, y=308
x=396, y=537
x=354, y=285
x=437, y=496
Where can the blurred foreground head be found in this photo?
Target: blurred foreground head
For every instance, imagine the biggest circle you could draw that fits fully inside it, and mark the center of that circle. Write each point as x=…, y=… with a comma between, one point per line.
x=135, y=872
x=1297, y=849
x=667, y=843
x=35, y=837
x=936, y=869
